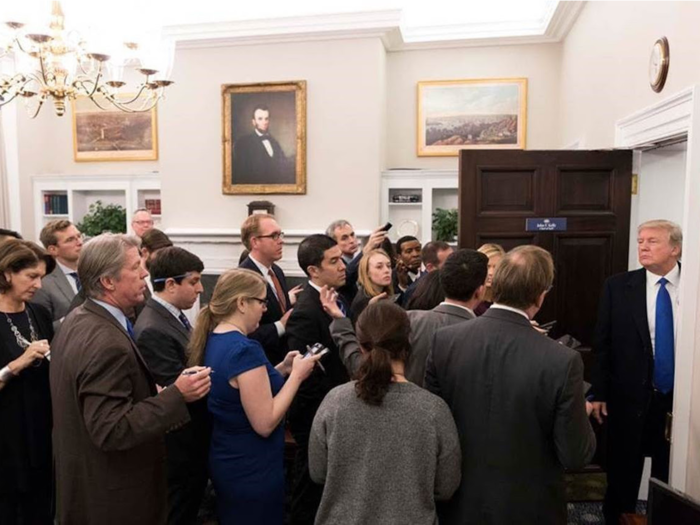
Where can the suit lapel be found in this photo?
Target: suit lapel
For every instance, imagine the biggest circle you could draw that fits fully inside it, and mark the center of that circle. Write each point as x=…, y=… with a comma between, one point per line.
x=97, y=309
x=637, y=297
x=62, y=284
x=169, y=318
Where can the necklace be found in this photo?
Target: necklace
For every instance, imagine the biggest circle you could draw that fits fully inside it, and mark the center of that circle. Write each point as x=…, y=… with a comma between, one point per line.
x=234, y=325
x=21, y=340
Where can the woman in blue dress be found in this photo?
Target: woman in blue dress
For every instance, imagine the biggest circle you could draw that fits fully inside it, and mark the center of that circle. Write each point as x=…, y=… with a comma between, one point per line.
x=248, y=400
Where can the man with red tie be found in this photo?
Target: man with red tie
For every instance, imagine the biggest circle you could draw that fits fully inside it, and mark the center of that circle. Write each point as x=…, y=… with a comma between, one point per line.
x=635, y=351
x=264, y=239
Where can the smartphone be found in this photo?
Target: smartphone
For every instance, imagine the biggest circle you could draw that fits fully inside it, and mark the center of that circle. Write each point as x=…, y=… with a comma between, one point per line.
x=547, y=326
x=316, y=349
x=386, y=227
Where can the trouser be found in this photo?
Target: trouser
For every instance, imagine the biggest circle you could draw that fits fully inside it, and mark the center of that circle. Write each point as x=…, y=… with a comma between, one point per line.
x=306, y=495
x=626, y=454
x=30, y=507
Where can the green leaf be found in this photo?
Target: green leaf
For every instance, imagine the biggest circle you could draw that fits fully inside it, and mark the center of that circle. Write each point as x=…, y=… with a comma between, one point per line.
x=101, y=219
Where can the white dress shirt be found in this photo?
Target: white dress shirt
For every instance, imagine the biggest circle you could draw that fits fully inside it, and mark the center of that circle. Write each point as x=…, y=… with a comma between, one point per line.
x=510, y=309
x=674, y=280
x=116, y=313
x=266, y=143
x=265, y=271
x=174, y=310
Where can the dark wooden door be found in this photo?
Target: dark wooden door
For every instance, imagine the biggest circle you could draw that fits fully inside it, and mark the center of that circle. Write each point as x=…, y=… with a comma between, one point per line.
x=499, y=190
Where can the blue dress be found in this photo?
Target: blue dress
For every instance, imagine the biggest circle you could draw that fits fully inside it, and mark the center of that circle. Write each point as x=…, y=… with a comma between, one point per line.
x=247, y=469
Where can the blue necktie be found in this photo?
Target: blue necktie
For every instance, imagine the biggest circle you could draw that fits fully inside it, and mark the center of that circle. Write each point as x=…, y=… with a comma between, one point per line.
x=341, y=305
x=130, y=329
x=663, y=336
x=75, y=277
x=185, y=321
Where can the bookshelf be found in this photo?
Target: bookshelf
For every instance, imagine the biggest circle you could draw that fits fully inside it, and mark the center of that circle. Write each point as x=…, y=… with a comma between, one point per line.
x=70, y=196
x=409, y=197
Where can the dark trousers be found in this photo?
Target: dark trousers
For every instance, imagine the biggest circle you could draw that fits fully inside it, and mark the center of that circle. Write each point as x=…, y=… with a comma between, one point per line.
x=306, y=495
x=30, y=507
x=187, y=455
x=626, y=454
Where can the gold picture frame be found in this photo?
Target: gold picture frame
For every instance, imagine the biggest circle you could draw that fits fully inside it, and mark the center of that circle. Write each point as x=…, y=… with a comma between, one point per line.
x=471, y=114
x=112, y=135
x=264, y=138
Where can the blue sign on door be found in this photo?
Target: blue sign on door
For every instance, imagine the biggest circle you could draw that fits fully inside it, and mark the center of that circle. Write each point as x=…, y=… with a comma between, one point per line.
x=550, y=224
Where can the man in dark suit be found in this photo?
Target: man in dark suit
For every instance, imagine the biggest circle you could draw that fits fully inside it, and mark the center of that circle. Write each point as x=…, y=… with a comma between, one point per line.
x=462, y=276
x=264, y=239
x=63, y=241
x=162, y=334
x=321, y=259
x=633, y=377
x=109, y=418
x=517, y=398
x=433, y=256
x=258, y=158
x=408, y=261
x=344, y=234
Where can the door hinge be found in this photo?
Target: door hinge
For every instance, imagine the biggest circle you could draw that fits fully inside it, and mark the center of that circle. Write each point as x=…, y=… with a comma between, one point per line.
x=635, y=184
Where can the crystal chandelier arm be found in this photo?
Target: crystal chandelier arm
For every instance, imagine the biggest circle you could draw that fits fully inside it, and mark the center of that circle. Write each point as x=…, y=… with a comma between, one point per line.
x=38, y=107
x=81, y=83
x=16, y=86
x=123, y=106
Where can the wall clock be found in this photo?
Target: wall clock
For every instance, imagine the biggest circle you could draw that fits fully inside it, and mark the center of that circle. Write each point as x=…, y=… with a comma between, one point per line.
x=658, y=64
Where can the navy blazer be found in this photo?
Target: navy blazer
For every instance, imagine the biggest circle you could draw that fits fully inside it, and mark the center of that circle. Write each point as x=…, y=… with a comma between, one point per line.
x=266, y=334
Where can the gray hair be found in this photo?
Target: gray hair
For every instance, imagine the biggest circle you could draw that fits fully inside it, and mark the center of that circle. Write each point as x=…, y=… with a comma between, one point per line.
x=103, y=256
x=139, y=210
x=330, y=231
x=675, y=234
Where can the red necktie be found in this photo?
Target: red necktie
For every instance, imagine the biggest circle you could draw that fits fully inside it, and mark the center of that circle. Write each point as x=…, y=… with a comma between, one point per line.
x=278, y=289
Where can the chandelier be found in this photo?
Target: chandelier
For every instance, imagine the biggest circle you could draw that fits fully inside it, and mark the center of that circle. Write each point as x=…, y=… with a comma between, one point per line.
x=59, y=65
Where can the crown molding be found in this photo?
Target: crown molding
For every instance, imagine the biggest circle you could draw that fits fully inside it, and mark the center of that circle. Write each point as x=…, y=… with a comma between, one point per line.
x=384, y=25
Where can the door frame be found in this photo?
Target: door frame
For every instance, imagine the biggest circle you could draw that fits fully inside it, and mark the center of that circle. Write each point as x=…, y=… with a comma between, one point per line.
x=671, y=118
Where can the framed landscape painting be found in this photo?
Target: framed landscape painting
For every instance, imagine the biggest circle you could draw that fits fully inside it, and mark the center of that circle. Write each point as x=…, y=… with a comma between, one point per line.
x=264, y=138
x=471, y=114
x=112, y=135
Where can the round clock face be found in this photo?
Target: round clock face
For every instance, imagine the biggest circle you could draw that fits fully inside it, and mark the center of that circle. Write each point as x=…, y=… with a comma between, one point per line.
x=658, y=64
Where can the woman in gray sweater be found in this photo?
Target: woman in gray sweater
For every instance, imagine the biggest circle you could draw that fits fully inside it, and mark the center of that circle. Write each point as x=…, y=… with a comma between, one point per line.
x=384, y=448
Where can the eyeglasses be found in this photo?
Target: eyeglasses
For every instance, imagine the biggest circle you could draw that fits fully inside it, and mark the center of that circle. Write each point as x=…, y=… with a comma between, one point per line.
x=261, y=301
x=143, y=223
x=549, y=288
x=274, y=236
x=175, y=277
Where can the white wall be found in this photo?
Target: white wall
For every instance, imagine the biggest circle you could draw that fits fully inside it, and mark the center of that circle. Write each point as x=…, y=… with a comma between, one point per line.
x=540, y=64
x=604, y=64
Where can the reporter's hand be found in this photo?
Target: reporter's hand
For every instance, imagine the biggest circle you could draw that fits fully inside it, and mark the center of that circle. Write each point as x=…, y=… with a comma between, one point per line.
x=536, y=326
x=329, y=299
x=288, y=362
x=36, y=350
x=285, y=317
x=294, y=293
x=402, y=274
x=375, y=240
x=600, y=409
x=195, y=386
x=379, y=297
x=302, y=367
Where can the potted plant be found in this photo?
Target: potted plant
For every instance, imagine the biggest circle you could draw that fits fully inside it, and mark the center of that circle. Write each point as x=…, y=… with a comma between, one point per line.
x=445, y=224
x=101, y=219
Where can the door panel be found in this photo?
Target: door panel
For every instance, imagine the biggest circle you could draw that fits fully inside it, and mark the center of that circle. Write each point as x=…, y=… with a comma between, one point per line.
x=499, y=190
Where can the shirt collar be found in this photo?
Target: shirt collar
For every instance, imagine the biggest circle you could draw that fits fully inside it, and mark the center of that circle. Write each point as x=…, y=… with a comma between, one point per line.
x=458, y=306
x=673, y=277
x=65, y=268
x=315, y=286
x=116, y=313
x=510, y=309
x=169, y=307
x=263, y=269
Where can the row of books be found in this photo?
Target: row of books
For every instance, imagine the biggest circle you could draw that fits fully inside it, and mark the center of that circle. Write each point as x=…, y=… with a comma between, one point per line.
x=153, y=205
x=55, y=204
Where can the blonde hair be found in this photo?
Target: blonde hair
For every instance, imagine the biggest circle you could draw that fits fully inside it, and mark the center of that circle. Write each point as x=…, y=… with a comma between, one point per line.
x=251, y=227
x=524, y=273
x=232, y=285
x=490, y=250
x=675, y=234
x=370, y=288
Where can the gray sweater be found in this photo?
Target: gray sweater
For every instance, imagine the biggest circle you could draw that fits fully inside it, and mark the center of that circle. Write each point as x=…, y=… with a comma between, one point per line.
x=383, y=464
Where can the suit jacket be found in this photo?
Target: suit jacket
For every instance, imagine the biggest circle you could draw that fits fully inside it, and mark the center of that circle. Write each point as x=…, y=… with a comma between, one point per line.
x=517, y=398
x=424, y=324
x=266, y=334
x=109, y=424
x=55, y=295
x=163, y=341
x=352, y=269
x=132, y=315
x=252, y=163
x=307, y=325
x=624, y=366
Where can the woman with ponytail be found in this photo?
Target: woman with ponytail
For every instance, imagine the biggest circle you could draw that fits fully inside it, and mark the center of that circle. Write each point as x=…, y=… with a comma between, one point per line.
x=247, y=402
x=384, y=448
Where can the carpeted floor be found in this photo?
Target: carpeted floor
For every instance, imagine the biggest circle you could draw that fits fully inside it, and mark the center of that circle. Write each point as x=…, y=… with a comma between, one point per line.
x=591, y=512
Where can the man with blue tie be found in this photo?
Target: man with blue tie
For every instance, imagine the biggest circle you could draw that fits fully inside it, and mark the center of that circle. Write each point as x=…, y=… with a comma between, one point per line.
x=162, y=334
x=635, y=355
